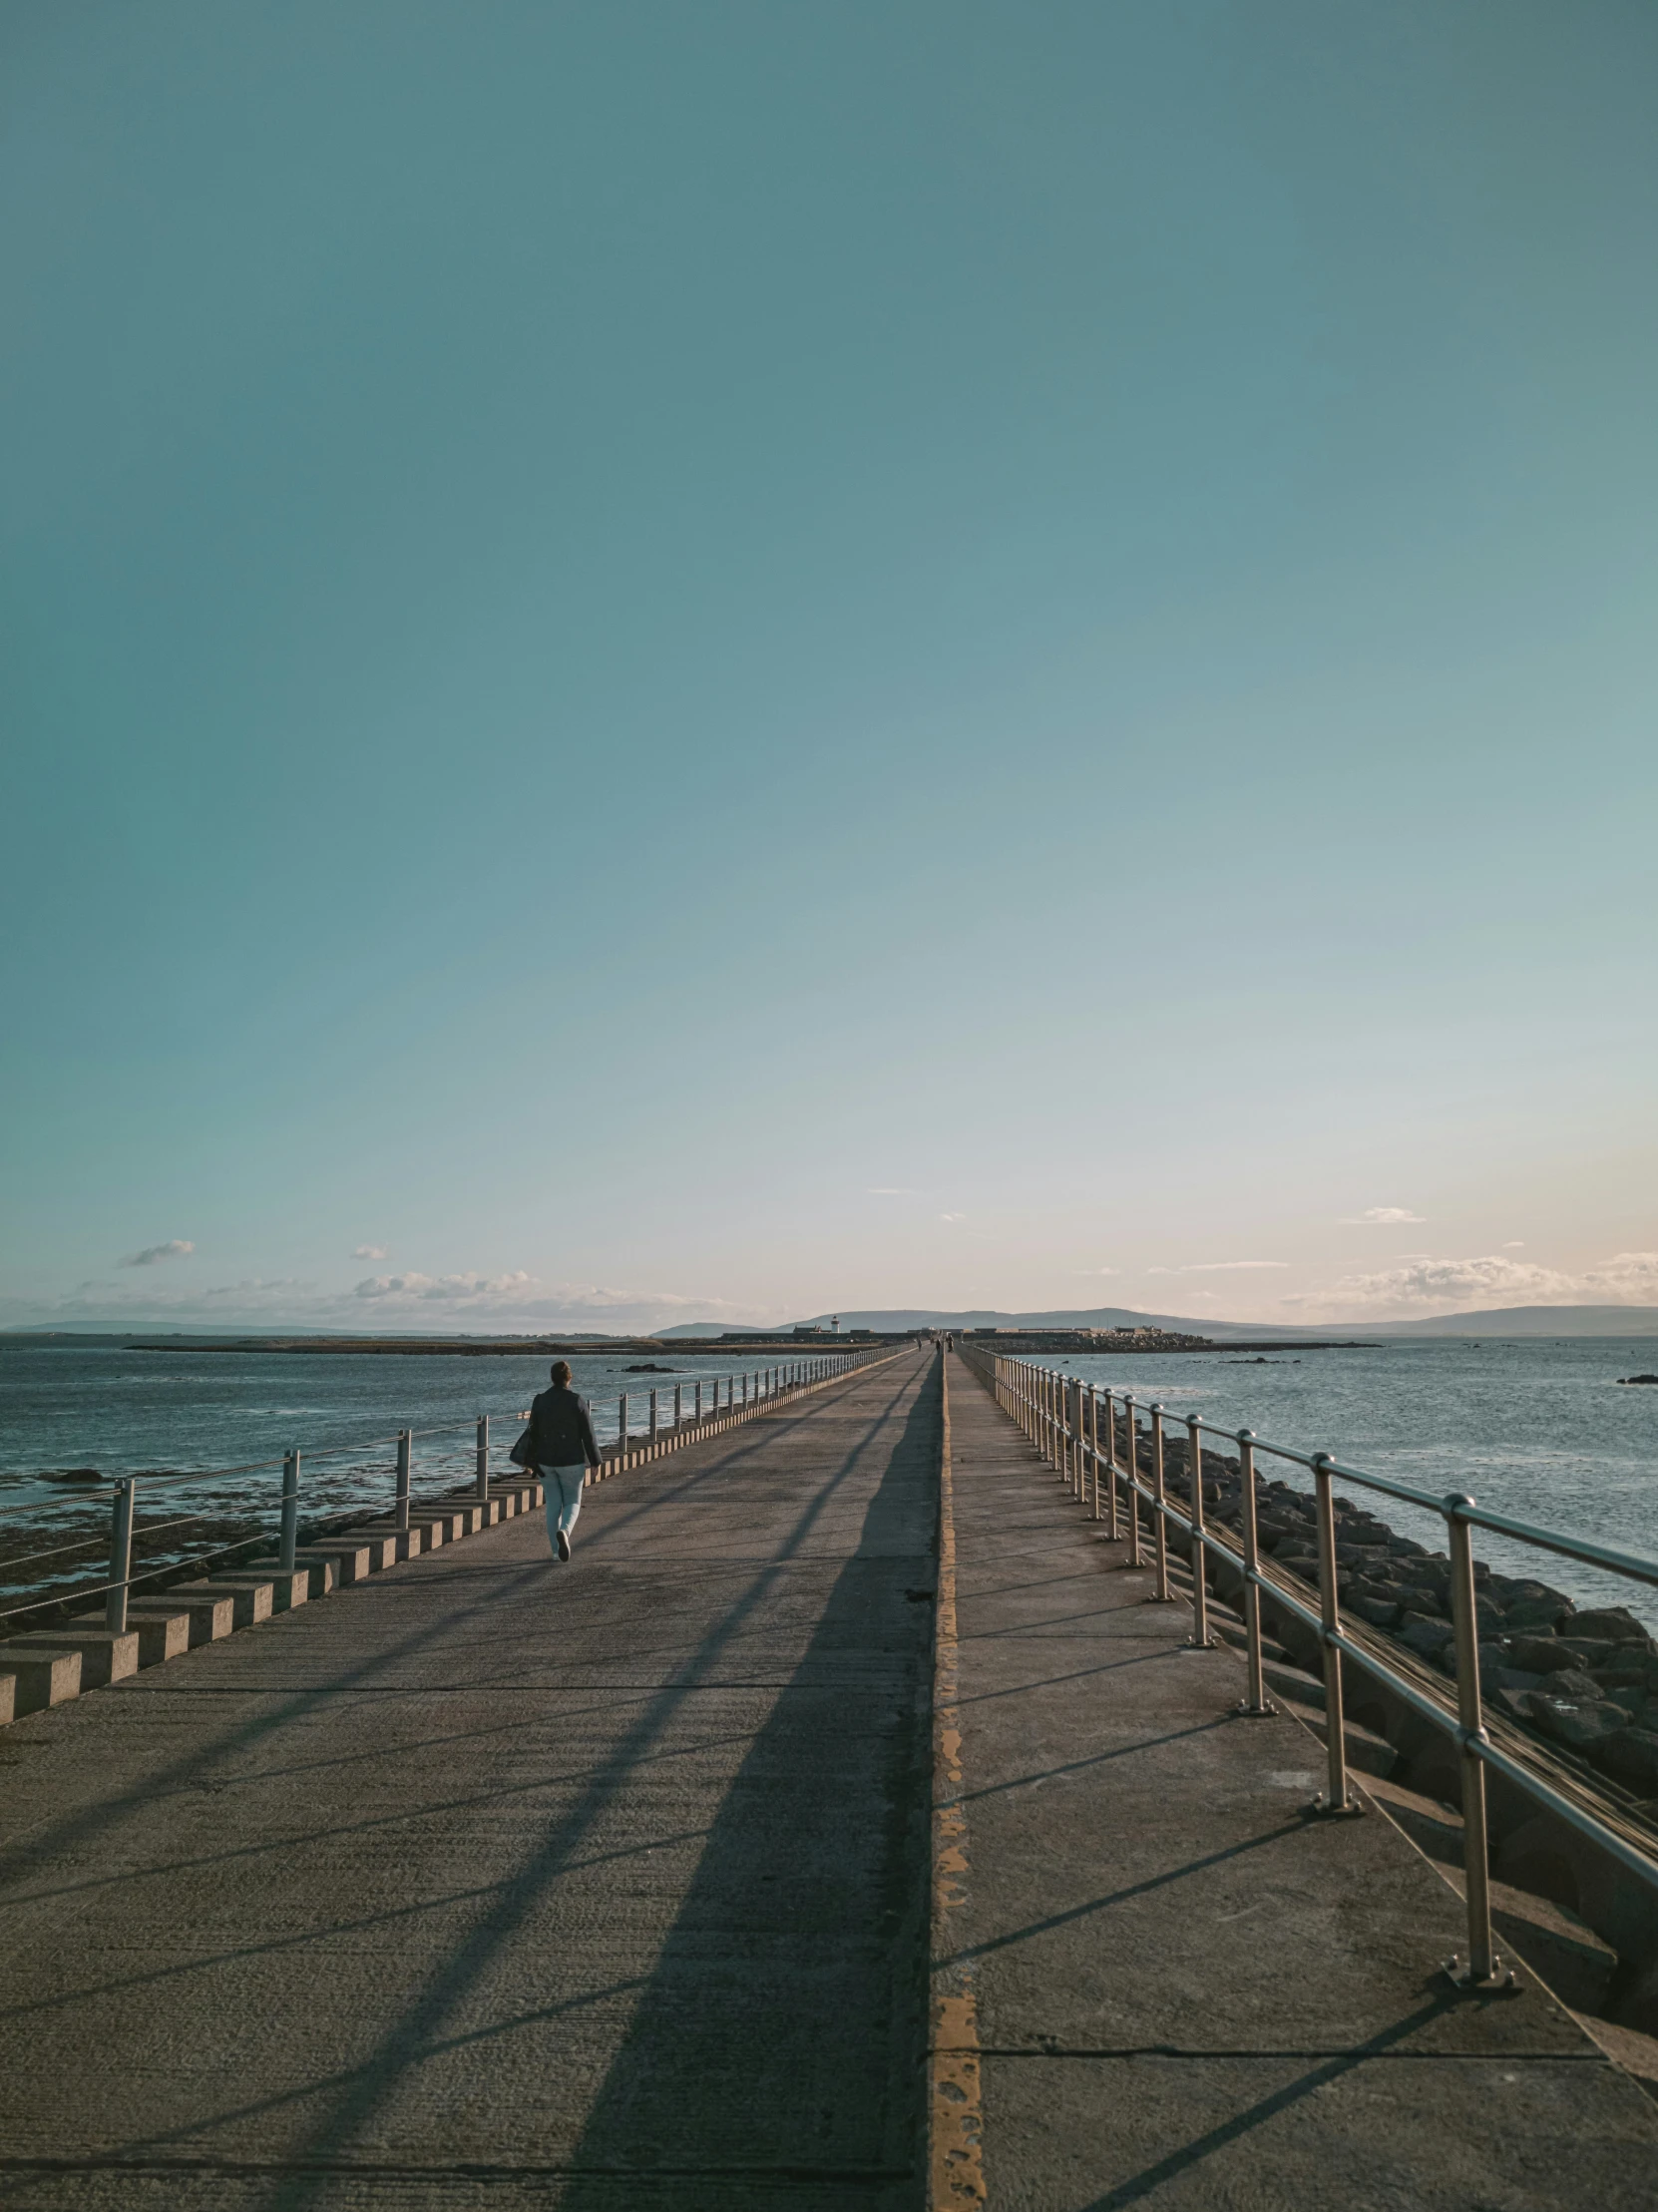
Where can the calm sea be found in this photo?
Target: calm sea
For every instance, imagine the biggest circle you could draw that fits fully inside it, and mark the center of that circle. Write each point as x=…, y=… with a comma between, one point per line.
x=1538, y=1429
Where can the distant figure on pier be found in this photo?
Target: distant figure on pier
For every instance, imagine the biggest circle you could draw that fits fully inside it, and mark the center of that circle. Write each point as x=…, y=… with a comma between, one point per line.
x=562, y=1447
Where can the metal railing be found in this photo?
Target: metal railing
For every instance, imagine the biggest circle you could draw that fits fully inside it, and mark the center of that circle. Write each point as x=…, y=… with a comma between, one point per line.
x=737, y=1396
x=1077, y=1428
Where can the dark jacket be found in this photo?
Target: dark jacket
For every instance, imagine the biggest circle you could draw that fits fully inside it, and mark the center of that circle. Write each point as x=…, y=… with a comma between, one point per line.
x=560, y=1429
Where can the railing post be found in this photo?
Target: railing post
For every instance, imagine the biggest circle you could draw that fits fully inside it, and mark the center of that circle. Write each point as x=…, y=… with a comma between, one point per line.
x=1093, y=1444
x=699, y=1399
x=652, y=1421
x=1159, y=1588
x=1482, y=1967
x=678, y=1412
x=621, y=1431
x=1335, y=1797
x=1112, y=1522
x=405, y=1453
x=121, y=1555
x=482, y=1469
x=1255, y=1704
x=1131, y=1427
x=1201, y=1639
x=290, y=1512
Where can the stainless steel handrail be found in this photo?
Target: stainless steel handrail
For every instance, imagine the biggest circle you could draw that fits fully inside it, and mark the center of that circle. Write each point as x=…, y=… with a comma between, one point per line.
x=1061, y=1417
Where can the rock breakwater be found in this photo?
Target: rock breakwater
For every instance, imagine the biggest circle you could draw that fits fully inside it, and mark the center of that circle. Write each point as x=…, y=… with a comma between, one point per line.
x=1584, y=1681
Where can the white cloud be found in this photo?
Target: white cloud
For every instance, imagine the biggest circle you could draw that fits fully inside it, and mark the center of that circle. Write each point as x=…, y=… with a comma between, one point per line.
x=1095, y=1270
x=1628, y=1278
x=952, y=1216
x=889, y=1190
x=1515, y=1244
x=369, y=1251
x=1490, y=1279
x=178, y=1247
x=444, y=1289
x=1379, y=1217
x=1216, y=1266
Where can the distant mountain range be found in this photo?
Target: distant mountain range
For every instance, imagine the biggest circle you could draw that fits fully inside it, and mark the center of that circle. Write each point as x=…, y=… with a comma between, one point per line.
x=1492, y=1321
x=1495, y=1321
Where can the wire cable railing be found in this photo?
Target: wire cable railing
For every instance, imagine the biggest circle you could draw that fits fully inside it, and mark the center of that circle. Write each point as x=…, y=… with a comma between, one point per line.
x=1096, y=1448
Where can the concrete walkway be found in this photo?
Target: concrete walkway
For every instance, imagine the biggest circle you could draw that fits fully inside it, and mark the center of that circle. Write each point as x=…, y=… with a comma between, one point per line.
x=1186, y=1993
x=500, y=1882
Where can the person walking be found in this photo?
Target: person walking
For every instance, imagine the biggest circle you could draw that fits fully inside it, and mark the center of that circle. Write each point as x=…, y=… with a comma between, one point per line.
x=562, y=1449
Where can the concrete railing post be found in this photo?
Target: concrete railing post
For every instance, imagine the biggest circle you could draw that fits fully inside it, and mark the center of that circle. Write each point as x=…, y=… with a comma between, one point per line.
x=621, y=1430
x=699, y=1399
x=481, y=1465
x=290, y=1512
x=1255, y=1703
x=121, y=1555
x=652, y=1421
x=405, y=1454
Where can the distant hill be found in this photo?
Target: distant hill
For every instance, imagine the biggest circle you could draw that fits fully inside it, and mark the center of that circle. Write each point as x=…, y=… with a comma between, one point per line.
x=715, y=1328
x=1093, y=1317
x=1529, y=1321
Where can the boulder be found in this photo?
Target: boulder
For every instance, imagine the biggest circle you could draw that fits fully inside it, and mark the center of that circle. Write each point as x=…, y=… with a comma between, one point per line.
x=1579, y=1724
x=1631, y=1757
x=1587, y=1651
x=1572, y=1682
x=1515, y=1679
x=1511, y=1703
x=1415, y=1599
x=1540, y=1654
x=1538, y=1613
x=1611, y=1623
x=1426, y=1636
x=1380, y=1612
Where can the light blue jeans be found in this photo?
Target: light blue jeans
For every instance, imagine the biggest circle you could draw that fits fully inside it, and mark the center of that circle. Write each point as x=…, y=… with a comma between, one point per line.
x=563, y=1486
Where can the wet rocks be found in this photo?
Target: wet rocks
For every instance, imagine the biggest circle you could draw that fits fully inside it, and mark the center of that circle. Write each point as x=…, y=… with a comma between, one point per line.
x=1585, y=1683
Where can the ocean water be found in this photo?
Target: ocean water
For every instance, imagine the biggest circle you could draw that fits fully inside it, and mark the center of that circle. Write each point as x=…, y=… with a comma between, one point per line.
x=167, y=1412
x=1535, y=1428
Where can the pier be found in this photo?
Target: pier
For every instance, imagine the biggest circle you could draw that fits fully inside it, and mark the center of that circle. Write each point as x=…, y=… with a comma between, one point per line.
x=848, y=1825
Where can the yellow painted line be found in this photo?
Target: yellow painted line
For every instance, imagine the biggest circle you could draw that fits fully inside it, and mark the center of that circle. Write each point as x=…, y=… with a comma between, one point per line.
x=955, y=2117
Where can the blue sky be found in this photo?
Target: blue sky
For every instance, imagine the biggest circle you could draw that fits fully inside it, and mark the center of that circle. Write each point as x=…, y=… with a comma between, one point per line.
x=673, y=662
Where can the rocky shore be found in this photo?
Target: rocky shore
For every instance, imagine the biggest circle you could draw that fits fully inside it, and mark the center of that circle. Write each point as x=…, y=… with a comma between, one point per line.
x=1584, y=1681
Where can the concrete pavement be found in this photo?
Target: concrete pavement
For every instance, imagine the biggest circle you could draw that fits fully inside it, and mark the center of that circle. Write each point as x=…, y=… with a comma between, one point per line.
x=495, y=1882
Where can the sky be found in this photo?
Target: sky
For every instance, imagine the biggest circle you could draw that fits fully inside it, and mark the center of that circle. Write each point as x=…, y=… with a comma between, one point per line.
x=667, y=664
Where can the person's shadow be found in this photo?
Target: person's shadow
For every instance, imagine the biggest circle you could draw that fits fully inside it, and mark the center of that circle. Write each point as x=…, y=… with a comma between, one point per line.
x=780, y=2037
